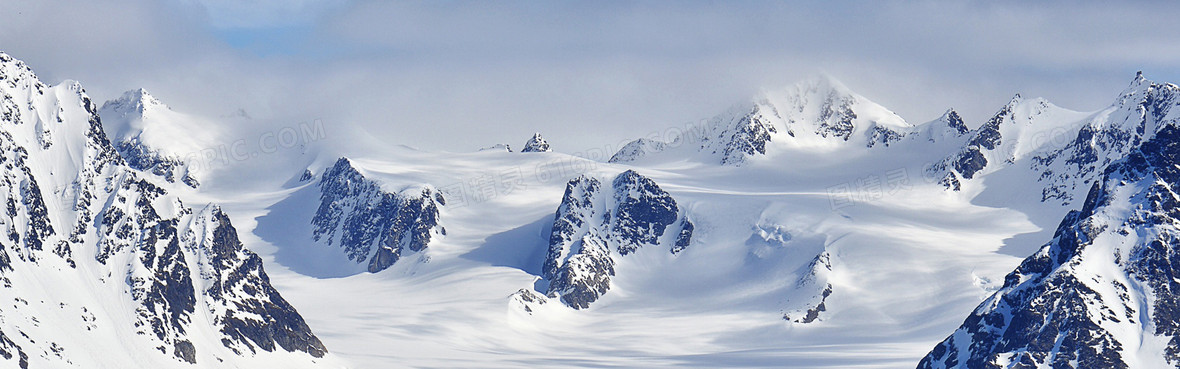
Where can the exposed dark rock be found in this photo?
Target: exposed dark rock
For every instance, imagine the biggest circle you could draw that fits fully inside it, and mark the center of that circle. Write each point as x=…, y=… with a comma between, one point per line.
x=260, y=317
x=836, y=116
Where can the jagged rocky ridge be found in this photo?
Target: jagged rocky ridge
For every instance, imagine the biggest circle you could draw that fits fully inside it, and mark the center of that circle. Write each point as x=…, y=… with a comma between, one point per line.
x=595, y=225
x=372, y=225
x=1102, y=293
x=76, y=215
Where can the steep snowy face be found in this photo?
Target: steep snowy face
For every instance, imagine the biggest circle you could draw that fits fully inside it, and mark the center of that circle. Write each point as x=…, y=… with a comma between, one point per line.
x=535, y=144
x=1102, y=293
x=1141, y=110
x=817, y=113
x=109, y=269
x=370, y=224
x=1020, y=129
x=593, y=226
x=144, y=131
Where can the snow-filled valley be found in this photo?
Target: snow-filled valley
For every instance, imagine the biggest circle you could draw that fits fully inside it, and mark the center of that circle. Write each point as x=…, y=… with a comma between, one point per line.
x=904, y=267
x=809, y=227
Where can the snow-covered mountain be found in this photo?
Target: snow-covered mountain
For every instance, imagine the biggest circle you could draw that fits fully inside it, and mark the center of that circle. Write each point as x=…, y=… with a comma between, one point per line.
x=103, y=267
x=831, y=242
x=816, y=114
x=153, y=138
x=1020, y=129
x=1102, y=293
x=1141, y=110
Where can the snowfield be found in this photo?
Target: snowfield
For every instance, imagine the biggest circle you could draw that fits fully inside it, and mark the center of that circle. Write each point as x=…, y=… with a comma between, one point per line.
x=907, y=259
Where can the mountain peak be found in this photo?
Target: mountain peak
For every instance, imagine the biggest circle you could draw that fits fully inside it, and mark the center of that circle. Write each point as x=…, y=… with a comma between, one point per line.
x=536, y=144
x=137, y=101
x=14, y=69
x=1138, y=84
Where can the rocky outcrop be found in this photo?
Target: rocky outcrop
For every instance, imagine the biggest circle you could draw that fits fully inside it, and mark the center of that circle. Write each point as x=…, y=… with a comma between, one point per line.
x=595, y=225
x=535, y=144
x=372, y=225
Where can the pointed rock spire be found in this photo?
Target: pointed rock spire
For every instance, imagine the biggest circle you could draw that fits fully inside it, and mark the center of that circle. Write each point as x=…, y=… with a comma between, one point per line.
x=536, y=144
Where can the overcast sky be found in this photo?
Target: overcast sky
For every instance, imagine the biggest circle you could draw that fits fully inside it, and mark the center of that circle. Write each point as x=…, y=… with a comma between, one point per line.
x=457, y=76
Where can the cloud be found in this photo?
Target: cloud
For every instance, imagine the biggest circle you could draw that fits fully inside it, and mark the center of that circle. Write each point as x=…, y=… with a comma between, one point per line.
x=463, y=75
